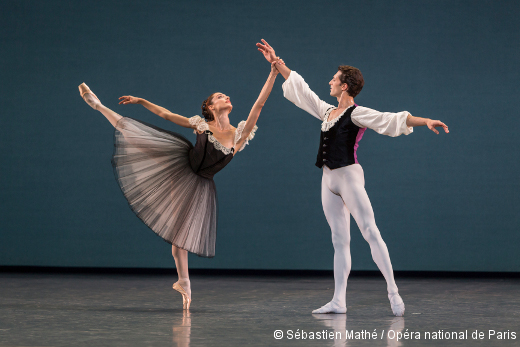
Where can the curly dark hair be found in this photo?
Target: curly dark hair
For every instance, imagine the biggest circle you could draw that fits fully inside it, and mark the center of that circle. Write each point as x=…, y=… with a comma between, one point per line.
x=353, y=78
x=206, y=112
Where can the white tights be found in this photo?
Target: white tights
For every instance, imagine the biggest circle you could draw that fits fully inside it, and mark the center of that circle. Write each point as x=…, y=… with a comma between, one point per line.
x=342, y=194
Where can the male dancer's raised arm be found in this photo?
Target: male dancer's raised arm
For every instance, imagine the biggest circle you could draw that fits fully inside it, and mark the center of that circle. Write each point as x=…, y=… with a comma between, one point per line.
x=295, y=89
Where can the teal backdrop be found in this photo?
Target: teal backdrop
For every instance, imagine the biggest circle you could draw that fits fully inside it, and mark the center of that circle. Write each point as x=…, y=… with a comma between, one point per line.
x=447, y=202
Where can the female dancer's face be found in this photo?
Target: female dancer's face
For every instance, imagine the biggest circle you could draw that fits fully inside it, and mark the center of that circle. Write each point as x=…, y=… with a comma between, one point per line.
x=336, y=85
x=221, y=102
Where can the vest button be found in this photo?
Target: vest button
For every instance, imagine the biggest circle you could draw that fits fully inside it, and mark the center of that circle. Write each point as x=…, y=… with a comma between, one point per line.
x=324, y=152
x=324, y=145
x=325, y=138
x=324, y=159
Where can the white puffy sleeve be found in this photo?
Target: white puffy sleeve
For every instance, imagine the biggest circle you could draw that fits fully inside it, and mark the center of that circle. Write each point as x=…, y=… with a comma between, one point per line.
x=199, y=123
x=238, y=134
x=385, y=123
x=297, y=91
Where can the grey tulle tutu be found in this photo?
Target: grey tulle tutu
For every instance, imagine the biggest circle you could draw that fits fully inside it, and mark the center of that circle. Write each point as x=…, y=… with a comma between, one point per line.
x=152, y=167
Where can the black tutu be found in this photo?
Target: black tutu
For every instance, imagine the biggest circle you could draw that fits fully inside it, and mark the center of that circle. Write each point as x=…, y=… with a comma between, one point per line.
x=153, y=169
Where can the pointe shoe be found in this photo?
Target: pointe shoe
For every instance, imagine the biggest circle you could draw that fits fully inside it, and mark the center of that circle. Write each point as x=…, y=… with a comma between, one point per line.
x=397, y=304
x=186, y=300
x=90, y=98
x=331, y=307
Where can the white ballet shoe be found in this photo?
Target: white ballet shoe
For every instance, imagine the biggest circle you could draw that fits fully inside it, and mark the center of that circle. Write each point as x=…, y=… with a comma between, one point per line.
x=397, y=304
x=90, y=98
x=331, y=307
x=186, y=299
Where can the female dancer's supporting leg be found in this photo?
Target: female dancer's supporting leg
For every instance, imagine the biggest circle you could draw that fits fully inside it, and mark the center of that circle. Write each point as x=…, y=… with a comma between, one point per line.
x=183, y=284
x=180, y=255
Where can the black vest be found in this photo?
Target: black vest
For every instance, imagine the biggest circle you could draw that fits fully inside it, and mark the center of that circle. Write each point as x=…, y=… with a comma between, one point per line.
x=338, y=144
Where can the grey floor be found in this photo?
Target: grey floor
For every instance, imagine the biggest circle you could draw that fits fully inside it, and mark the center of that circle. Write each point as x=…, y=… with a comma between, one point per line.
x=137, y=310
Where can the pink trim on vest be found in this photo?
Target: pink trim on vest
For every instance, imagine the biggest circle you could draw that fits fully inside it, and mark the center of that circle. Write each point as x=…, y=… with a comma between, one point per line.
x=358, y=138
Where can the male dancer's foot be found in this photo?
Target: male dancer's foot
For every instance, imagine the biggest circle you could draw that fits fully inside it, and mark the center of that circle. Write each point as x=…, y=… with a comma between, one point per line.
x=331, y=307
x=397, y=304
x=183, y=286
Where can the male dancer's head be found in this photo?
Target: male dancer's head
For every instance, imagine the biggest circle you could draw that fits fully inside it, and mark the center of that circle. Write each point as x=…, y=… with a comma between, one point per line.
x=348, y=80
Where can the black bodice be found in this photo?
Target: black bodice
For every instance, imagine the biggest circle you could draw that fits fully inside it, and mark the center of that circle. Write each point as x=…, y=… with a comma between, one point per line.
x=205, y=159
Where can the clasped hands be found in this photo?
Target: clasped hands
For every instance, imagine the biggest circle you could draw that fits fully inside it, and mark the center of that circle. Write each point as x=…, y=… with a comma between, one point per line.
x=269, y=54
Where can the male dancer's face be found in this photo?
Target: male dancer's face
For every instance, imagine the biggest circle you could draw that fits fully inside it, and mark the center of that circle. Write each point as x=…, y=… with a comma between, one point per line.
x=336, y=87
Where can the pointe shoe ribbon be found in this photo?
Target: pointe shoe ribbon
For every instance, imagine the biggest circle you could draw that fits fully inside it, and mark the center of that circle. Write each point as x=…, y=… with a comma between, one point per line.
x=186, y=300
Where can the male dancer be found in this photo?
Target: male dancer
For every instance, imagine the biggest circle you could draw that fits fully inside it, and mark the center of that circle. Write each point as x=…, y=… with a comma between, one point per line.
x=343, y=184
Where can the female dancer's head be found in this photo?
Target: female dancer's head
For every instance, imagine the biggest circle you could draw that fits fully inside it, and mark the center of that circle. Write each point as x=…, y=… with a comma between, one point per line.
x=216, y=103
x=348, y=79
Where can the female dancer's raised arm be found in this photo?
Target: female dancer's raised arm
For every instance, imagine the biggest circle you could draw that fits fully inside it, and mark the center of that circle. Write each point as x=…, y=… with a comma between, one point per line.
x=158, y=110
x=258, y=105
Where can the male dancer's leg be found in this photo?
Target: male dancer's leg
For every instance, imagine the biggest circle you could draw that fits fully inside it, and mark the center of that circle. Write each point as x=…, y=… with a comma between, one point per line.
x=338, y=218
x=350, y=182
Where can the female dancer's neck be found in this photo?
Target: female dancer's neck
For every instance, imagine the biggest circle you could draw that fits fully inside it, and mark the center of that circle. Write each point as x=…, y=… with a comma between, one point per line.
x=221, y=121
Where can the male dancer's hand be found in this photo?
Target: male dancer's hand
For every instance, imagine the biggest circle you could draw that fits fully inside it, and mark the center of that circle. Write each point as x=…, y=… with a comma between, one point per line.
x=267, y=51
x=432, y=124
x=412, y=121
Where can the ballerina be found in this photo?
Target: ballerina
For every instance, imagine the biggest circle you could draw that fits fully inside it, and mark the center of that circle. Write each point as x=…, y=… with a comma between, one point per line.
x=343, y=183
x=167, y=181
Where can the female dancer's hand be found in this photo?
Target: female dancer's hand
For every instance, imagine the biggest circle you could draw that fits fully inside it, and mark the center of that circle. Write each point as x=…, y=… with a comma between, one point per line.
x=267, y=51
x=128, y=99
x=274, y=70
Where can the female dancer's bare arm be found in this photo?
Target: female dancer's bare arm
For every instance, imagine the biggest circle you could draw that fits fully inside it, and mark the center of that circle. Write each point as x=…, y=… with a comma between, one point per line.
x=158, y=110
x=258, y=105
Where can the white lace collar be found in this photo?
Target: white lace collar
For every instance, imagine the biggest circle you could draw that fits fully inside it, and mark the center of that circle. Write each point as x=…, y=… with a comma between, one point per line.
x=326, y=125
x=238, y=134
x=220, y=146
x=203, y=126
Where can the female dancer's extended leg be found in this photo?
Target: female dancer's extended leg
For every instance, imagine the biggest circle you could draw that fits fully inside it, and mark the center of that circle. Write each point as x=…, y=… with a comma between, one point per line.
x=180, y=255
x=92, y=100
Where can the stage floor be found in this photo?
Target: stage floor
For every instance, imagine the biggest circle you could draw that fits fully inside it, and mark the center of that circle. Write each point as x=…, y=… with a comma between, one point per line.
x=138, y=310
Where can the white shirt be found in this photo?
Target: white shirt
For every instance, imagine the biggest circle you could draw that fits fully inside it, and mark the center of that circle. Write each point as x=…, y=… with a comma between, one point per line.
x=296, y=90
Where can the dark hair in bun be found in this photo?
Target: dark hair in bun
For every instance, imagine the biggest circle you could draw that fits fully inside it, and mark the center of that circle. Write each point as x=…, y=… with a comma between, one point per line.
x=206, y=112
